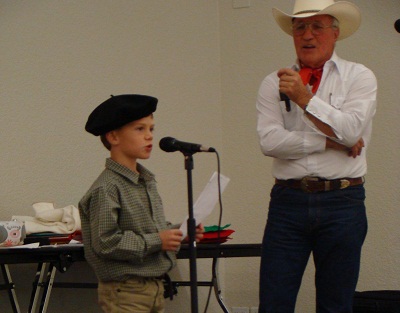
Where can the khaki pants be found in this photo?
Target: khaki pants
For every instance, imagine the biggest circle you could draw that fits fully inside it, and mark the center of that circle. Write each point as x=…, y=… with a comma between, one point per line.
x=137, y=295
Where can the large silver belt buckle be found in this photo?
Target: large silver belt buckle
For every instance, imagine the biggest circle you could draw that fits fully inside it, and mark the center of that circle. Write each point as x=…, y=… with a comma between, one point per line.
x=304, y=183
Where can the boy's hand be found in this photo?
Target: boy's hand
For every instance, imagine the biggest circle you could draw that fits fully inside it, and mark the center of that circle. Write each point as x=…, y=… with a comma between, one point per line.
x=171, y=239
x=199, y=233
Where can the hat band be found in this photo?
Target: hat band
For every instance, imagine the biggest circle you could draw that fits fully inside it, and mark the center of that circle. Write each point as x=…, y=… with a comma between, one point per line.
x=306, y=11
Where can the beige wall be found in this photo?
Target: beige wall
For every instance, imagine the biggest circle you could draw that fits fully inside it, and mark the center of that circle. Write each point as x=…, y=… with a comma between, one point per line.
x=204, y=60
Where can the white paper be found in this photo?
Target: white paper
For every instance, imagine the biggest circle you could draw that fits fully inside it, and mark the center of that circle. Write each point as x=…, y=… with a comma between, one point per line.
x=207, y=200
x=33, y=245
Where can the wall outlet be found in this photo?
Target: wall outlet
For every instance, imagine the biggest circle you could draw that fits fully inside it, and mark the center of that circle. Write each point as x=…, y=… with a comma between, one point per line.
x=254, y=309
x=240, y=310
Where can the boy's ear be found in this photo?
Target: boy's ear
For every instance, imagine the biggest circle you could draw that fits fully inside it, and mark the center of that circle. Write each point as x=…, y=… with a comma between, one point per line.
x=112, y=137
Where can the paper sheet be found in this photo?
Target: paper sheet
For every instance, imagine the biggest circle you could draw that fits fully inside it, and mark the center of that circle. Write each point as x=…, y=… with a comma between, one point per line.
x=28, y=246
x=207, y=200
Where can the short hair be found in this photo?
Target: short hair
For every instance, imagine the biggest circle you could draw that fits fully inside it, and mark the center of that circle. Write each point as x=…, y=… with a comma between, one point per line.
x=335, y=22
x=105, y=142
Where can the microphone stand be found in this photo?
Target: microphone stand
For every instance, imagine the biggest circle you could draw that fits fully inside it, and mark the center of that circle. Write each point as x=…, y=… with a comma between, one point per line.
x=191, y=227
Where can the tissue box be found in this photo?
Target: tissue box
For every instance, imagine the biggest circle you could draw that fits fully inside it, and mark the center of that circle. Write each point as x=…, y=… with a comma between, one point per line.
x=12, y=233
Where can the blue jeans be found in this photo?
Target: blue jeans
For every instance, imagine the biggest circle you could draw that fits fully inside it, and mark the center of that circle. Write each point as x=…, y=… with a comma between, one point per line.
x=332, y=226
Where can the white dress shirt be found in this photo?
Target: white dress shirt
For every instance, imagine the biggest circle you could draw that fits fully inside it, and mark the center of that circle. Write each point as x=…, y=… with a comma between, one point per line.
x=345, y=100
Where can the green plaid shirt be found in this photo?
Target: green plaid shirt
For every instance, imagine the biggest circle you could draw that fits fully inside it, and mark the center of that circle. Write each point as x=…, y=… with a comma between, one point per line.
x=121, y=216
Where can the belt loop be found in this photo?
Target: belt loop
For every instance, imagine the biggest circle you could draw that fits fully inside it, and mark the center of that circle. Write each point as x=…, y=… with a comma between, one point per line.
x=327, y=185
x=304, y=185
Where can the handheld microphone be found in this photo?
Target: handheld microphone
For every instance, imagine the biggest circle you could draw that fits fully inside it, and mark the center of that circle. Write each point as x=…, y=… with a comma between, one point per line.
x=169, y=144
x=285, y=98
x=397, y=25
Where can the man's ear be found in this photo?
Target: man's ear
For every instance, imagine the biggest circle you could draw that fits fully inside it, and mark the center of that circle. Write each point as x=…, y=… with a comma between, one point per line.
x=337, y=33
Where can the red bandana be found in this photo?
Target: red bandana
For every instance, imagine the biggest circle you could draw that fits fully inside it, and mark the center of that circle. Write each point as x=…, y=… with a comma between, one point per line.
x=311, y=76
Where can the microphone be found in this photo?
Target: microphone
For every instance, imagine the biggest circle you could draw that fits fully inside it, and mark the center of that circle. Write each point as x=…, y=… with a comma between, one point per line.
x=169, y=144
x=397, y=25
x=285, y=98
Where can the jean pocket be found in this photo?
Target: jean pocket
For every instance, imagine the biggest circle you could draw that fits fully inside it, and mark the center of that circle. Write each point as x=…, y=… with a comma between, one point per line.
x=278, y=191
x=354, y=194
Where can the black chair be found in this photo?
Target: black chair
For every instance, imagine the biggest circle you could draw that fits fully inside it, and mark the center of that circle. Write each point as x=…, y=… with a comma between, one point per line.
x=377, y=301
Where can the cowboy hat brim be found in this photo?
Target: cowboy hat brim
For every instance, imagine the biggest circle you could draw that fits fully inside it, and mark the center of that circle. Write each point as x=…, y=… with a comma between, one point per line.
x=347, y=13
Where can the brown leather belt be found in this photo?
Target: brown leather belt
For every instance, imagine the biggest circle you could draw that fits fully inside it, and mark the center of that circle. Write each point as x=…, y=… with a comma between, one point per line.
x=316, y=184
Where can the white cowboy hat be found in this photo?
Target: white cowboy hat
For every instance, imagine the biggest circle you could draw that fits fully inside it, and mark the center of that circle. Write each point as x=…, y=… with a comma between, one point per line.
x=347, y=13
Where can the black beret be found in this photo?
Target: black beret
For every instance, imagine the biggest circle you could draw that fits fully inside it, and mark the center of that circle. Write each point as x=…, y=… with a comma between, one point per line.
x=118, y=111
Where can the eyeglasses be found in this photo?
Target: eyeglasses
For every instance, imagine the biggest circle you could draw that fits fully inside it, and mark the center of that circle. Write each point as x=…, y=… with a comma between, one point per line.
x=317, y=28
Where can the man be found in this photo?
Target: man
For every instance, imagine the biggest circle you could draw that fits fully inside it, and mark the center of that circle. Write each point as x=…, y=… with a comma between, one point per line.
x=315, y=120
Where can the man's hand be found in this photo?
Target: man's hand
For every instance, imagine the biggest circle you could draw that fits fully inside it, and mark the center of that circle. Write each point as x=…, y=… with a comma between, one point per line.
x=354, y=151
x=291, y=84
x=171, y=239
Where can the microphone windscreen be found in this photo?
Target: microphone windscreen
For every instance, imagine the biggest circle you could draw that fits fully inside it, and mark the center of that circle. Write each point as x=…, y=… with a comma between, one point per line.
x=167, y=144
x=397, y=25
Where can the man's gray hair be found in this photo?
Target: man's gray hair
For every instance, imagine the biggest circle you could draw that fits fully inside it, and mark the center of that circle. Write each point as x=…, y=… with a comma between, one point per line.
x=335, y=22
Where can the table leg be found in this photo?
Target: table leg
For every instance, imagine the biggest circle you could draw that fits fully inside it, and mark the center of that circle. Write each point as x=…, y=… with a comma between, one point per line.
x=37, y=285
x=48, y=286
x=10, y=288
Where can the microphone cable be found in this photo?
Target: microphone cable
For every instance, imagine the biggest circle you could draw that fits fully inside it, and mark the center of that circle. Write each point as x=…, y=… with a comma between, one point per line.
x=219, y=226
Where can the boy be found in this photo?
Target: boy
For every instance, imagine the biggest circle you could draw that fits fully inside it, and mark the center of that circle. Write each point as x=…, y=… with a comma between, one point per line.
x=127, y=240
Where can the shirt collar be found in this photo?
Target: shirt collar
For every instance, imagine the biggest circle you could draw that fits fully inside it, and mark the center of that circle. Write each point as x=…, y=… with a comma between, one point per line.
x=334, y=61
x=129, y=174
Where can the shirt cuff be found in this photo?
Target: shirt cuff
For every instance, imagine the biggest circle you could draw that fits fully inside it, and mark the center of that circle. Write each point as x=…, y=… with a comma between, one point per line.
x=153, y=242
x=322, y=111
